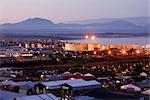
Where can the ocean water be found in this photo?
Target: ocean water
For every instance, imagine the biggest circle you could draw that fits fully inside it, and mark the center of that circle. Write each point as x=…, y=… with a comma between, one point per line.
x=116, y=41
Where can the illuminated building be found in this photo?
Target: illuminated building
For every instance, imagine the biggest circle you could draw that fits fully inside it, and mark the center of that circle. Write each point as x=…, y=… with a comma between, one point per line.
x=82, y=47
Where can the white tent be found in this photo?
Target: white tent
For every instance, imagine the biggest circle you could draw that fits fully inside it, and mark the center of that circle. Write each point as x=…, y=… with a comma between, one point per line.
x=147, y=92
x=12, y=83
x=143, y=74
x=131, y=86
x=88, y=74
x=77, y=73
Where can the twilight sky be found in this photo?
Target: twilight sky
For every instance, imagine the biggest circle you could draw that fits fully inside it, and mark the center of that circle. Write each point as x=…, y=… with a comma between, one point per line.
x=68, y=10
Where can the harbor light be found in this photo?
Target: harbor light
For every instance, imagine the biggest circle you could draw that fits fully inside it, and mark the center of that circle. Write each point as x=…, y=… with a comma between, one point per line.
x=93, y=37
x=87, y=37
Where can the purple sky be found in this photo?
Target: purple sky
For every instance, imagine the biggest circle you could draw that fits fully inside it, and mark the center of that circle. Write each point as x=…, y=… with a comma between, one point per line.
x=68, y=10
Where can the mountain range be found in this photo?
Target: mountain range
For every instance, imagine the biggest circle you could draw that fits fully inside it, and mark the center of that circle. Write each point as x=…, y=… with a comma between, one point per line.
x=141, y=21
x=45, y=26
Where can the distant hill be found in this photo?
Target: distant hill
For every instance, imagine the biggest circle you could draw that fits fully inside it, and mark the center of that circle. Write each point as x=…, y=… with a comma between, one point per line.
x=44, y=26
x=32, y=23
x=141, y=21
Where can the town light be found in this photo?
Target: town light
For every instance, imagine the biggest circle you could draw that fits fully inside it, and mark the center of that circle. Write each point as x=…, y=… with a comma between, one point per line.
x=42, y=76
x=72, y=78
x=109, y=52
x=47, y=87
x=123, y=52
x=117, y=81
x=137, y=51
x=94, y=52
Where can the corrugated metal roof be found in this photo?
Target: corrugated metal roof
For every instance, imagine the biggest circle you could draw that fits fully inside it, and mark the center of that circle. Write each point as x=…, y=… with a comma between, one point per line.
x=48, y=96
x=57, y=84
x=85, y=85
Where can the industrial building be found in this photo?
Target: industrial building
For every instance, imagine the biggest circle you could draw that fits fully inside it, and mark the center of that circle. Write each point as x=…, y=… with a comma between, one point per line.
x=96, y=47
x=82, y=47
